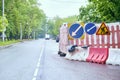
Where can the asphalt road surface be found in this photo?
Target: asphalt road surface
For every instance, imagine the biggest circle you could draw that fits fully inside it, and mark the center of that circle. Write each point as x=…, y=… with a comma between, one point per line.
x=19, y=61
x=55, y=67
x=38, y=60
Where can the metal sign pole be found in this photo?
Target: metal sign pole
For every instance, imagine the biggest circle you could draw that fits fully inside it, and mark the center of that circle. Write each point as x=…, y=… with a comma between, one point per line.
x=3, y=33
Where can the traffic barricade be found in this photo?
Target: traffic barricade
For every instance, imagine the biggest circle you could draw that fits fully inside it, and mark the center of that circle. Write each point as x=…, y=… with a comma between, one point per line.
x=101, y=41
x=63, y=42
x=90, y=56
x=97, y=55
x=98, y=60
x=114, y=57
x=79, y=54
x=100, y=37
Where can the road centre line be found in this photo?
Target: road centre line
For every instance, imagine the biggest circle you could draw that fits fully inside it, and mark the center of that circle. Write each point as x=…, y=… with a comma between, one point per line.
x=38, y=64
x=36, y=71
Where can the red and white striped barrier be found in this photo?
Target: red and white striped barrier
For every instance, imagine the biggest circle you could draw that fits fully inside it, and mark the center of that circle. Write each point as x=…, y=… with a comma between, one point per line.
x=101, y=41
x=95, y=41
x=98, y=55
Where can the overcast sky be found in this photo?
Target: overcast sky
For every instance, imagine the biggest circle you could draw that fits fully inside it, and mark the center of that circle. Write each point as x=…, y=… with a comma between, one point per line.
x=61, y=8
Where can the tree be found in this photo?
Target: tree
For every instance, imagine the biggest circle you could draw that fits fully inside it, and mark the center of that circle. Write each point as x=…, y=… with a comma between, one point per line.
x=3, y=23
x=24, y=12
x=100, y=10
x=71, y=19
x=56, y=23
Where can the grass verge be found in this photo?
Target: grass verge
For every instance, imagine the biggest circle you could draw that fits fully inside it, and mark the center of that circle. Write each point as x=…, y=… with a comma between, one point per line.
x=8, y=42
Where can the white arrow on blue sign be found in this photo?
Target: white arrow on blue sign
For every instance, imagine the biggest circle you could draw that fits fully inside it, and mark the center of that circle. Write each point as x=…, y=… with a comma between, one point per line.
x=76, y=30
x=90, y=28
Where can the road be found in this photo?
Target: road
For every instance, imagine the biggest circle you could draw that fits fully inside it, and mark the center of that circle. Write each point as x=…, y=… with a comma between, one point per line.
x=38, y=60
x=19, y=61
x=58, y=68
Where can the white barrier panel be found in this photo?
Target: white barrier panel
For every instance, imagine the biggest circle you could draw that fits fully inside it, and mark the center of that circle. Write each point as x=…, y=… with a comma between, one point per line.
x=68, y=55
x=79, y=54
x=114, y=57
x=63, y=43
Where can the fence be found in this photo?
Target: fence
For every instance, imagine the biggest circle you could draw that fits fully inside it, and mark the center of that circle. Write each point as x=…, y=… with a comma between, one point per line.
x=101, y=41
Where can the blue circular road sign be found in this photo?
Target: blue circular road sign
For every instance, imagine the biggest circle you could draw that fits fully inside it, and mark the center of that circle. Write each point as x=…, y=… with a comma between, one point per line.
x=76, y=30
x=90, y=28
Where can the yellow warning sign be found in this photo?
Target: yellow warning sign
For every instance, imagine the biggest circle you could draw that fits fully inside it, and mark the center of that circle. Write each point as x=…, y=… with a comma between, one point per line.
x=83, y=36
x=103, y=30
x=70, y=38
x=69, y=24
x=82, y=24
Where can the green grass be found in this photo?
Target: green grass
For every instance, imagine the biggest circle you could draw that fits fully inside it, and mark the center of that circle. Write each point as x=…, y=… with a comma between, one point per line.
x=8, y=42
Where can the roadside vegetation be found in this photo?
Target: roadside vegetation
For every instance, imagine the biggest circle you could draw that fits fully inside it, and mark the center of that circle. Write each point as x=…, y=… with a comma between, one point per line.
x=96, y=11
x=21, y=17
x=24, y=18
x=9, y=42
x=100, y=11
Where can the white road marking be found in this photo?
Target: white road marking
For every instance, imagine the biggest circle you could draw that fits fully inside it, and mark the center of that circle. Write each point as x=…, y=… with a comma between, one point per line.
x=39, y=60
x=36, y=72
x=34, y=78
x=38, y=64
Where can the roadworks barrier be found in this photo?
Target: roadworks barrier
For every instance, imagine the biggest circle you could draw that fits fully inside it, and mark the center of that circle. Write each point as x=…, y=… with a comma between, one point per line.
x=100, y=50
x=95, y=55
x=80, y=54
x=98, y=55
x=114, y=57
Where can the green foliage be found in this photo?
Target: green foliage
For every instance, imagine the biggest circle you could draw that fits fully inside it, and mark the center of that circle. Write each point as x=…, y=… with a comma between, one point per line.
x=3, y=23
x=58, y=22
x=25, y=13
x=71, y=19
x=100, y=10
x=55, y=24
x=8, y=42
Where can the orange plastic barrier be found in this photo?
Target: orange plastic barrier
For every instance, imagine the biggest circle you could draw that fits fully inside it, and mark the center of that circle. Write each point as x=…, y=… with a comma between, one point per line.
x=97, y=55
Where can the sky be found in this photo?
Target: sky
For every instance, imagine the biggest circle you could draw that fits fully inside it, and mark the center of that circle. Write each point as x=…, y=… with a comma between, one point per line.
x=61, y=8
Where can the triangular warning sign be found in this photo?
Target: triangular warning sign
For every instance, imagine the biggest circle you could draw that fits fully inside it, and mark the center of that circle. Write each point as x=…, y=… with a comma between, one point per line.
x=103, y=30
